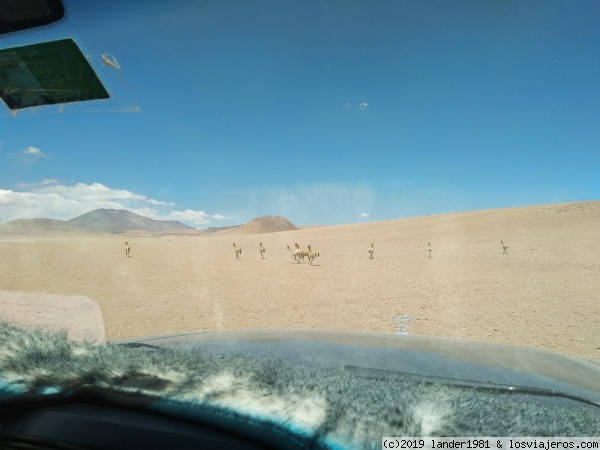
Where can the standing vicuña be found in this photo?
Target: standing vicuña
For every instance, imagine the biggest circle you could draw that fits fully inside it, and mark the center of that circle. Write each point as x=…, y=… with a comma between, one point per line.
x=303, y=252
x=313, y=254
x=295, y=253
x=504, y=247
x=238, y=251
x=371, y=252
x=262, y=251
x=429, y=249
x=127, y=249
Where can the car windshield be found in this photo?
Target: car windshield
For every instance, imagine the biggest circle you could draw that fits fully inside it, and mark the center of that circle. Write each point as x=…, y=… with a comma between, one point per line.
x=386, y=166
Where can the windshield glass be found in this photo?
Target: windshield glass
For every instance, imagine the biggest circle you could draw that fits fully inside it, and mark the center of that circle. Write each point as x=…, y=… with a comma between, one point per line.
x=316, y=164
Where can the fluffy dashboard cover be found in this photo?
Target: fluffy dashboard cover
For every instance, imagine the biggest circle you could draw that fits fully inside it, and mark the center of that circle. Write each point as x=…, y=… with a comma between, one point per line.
x=328, y=408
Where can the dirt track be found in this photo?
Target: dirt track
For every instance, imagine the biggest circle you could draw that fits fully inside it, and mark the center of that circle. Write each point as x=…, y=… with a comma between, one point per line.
x=544, y=293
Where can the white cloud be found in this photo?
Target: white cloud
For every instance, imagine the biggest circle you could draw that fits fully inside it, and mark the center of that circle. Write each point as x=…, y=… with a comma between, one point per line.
x=26, y=205
x=32, y=151
x=362, y=105
x=221, y=217
x=364, y=215
x=156, y=202
x=96, y=192
x=30, y=155
x=49, y=199
x=195, y=217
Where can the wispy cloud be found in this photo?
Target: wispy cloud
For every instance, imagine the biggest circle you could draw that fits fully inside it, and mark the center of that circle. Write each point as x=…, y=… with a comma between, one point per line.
x=50, y=199
x=364, y=215
x=195, y=217
x=30, y=155
x=36, y=184
x=360, y=107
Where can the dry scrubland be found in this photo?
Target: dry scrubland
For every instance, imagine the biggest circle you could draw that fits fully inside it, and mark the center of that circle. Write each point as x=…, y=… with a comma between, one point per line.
x=544, y=293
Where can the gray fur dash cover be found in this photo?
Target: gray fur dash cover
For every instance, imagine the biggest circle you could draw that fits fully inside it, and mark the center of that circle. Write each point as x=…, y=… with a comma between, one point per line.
x=329, y=408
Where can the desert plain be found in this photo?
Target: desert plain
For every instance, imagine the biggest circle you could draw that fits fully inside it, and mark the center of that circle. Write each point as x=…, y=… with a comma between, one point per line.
x=544, y=292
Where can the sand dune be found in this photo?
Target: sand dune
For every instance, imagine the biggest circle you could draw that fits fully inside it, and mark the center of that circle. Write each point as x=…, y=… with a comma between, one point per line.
x=544, y=293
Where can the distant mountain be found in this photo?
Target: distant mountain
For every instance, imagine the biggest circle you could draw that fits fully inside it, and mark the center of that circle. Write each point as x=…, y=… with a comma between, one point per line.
x=119, y=221
x=123, y=221
x=41, y=226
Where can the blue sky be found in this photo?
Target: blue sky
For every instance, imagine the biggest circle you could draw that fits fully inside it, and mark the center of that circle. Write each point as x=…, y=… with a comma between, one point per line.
x=326, y=112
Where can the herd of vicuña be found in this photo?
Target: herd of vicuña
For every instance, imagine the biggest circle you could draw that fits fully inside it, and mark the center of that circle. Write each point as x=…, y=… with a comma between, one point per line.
x=299, y=254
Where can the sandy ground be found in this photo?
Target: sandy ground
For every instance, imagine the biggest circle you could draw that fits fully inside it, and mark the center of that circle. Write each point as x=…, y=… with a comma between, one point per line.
x=51, y=312
x=544, y=293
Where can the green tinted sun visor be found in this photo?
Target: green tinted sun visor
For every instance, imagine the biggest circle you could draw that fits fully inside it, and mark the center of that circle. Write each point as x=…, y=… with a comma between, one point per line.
x=49, y=73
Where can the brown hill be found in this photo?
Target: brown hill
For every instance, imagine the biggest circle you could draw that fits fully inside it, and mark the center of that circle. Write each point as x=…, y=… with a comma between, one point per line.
x=266, y=224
